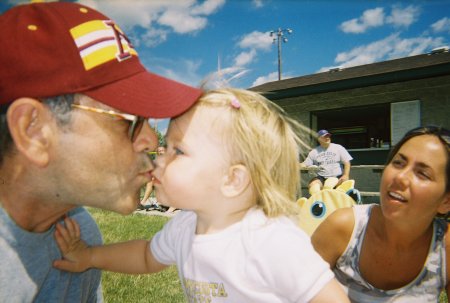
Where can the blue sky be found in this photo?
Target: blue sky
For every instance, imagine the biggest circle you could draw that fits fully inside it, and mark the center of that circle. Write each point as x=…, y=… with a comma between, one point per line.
x=191, y=40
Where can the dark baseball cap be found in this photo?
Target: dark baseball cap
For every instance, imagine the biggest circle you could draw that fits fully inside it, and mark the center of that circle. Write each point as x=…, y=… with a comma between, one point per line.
x=323, y=132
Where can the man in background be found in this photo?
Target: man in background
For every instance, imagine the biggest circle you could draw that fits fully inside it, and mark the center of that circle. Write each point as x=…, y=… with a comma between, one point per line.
x=333, y=160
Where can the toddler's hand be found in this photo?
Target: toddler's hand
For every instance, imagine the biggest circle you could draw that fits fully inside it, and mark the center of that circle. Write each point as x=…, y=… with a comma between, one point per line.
x=76, y=254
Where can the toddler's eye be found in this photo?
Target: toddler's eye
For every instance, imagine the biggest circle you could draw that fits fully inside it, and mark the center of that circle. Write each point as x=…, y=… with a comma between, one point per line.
x=178, y=151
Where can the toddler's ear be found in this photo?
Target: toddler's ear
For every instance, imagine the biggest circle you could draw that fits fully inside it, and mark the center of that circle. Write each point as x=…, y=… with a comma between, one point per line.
x=236, y=181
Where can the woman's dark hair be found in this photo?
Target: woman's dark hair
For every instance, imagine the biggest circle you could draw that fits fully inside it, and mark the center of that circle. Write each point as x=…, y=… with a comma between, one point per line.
x=60, y=106
x=439, y=132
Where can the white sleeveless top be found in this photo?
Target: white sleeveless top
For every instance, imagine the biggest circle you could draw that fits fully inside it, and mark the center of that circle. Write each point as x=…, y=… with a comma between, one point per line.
x=426, y=287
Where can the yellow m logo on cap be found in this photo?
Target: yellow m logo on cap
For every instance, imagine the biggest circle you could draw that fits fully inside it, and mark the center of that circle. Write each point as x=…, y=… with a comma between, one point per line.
x=100, y=41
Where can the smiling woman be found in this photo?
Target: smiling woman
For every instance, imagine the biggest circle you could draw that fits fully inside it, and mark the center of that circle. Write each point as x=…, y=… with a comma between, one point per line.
x=396, y=250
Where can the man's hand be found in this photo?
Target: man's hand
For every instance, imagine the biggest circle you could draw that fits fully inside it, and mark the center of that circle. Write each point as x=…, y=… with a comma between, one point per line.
x=345, y=174
x=342, y=179
x=76, y=253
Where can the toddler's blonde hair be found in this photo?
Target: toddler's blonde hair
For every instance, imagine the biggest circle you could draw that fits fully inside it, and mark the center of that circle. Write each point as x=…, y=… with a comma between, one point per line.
x=262, y=137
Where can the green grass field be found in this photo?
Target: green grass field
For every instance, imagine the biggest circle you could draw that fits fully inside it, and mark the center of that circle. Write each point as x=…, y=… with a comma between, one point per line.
x=162, y=287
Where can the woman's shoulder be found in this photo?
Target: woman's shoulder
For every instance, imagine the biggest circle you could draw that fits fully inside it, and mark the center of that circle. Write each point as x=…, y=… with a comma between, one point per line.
x=339, y=227
x=342, y=219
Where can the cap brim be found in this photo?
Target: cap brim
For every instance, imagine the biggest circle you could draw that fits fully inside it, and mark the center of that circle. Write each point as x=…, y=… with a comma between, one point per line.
x=147, y=95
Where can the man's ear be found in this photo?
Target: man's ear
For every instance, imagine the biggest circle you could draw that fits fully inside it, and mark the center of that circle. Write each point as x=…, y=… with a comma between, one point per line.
x=236, y=181
x=29, y=125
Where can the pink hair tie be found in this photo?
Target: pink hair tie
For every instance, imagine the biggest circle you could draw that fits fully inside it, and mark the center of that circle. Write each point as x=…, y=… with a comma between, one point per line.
x=235, y=103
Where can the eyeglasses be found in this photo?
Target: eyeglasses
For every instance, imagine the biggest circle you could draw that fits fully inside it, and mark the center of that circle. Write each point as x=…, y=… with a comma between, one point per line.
x=136, y=122
x=160, y=151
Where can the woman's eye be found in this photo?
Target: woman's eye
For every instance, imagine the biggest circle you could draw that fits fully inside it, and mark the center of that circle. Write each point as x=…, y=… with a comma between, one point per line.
x=424, y=175
x=397, y=163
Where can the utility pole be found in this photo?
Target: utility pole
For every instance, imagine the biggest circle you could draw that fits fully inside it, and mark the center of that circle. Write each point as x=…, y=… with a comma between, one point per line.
x=279, y=36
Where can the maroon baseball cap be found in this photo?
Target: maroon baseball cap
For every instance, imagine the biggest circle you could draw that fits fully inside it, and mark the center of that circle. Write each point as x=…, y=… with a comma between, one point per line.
x=57, y=48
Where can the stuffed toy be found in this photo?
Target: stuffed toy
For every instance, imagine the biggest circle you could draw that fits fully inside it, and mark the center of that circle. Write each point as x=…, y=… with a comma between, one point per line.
x=315, y=209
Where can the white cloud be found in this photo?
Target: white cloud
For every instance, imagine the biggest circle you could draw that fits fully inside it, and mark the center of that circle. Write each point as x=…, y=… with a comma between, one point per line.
x=328, y=68
x=208, y=7
x=256, y=40
x=257, y=3
x=181, y=21
x=371, y=18
x=389, y=48
x=442, y=25
x=264, y=79
x=245, y=58
x=414, y=46
x=250, y=45
x=158, y=16
x=129, y=15
x=352, y=26
x=403, y=17
x=153, y=37
x=151, y=22
x=367, y=53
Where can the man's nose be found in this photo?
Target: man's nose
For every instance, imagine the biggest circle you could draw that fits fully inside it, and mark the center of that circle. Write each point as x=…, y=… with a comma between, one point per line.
x=146, y=140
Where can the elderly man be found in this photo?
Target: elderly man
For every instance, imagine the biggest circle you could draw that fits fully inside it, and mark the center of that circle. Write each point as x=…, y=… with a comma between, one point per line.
x=330, y=158
x=74, y=99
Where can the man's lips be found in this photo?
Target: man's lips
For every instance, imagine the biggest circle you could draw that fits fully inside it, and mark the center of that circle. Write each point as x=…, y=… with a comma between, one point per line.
x=155, y=180
x=147, y=174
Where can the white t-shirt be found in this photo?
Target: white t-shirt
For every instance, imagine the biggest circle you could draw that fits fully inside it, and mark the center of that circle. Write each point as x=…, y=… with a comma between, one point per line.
x=255, y=260
x=329, y=160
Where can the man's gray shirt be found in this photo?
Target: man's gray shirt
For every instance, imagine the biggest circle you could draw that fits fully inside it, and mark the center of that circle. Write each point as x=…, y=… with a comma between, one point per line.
x=26, y=271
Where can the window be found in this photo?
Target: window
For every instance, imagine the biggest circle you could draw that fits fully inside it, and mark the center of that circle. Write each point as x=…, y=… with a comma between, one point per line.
x=357, y=127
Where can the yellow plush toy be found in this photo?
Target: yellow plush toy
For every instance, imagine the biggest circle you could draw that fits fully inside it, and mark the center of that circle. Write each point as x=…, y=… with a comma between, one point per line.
x=323, y=202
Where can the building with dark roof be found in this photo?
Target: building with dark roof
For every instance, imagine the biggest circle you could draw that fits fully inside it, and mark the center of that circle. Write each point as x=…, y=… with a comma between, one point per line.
x=368, y=108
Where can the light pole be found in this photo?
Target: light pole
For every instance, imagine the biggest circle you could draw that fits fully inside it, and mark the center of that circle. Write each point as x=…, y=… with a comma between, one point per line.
x=280, y=37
